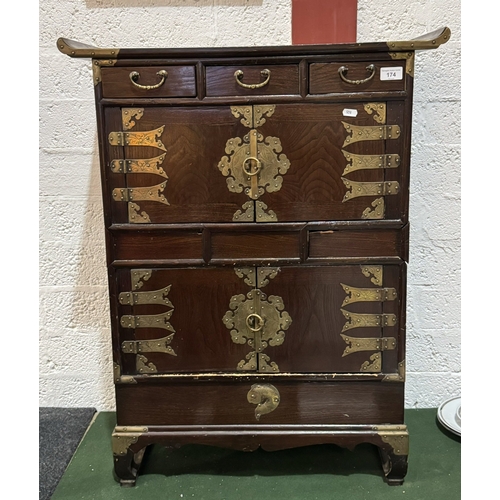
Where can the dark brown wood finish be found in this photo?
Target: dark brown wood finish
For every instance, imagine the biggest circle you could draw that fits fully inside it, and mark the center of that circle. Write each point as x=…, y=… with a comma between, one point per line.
x=247, y=314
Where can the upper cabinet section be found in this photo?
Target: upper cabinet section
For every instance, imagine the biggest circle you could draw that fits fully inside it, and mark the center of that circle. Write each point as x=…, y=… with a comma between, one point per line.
x=255, y=134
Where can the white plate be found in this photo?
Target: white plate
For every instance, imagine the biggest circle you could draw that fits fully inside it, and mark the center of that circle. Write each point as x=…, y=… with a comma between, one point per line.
x=449, y=414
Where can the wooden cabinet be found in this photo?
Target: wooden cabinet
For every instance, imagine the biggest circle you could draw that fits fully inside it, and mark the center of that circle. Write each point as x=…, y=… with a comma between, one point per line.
x=256, y=211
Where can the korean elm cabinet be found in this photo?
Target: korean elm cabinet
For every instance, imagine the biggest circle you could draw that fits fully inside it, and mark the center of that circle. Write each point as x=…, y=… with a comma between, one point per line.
x=256, y=212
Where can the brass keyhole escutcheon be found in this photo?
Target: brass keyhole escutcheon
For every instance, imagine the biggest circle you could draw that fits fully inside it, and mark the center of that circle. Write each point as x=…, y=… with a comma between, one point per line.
x=252, y=165
x=255, y=322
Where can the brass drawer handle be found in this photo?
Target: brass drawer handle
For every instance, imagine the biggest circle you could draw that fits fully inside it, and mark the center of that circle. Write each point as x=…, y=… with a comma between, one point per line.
x=255, y=322
x=238, y=75
x=134, y=76
x=247, y=166
x=343, y=70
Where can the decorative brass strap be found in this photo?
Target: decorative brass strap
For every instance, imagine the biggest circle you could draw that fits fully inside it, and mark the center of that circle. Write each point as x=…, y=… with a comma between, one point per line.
x=265, y=396
x=370, y=133
x=127, y=117
x=369, y=189
x=123, y=437
x=151, y=193
x=257, y=277
x=375, y=273
x=356, y=320
x=154, y=345
x=368, y=294
x=148, y=321
x=150, y=138
x=376, y=211
x=136, y=216
x=247, y=213
x=356, y=344
x=139, y=276
x=369, y=162
x=146, y=166
x=152, y=297
x=262, y=214
x=373, y=365
x=142, y=365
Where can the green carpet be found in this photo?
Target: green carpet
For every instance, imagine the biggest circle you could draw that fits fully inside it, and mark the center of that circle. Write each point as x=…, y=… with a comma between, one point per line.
x=310, y=473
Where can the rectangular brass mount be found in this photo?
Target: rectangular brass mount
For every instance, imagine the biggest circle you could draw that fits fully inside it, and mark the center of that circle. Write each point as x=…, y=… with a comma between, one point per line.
x=155, y=345
x=152, y=297
x=355, y=344
x=151, y=193
x=358, y=189
x=148, y=321
x=370, y=133
x=356, y=320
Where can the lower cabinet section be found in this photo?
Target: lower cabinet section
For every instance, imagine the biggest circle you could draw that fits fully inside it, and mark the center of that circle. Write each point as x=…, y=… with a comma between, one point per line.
x=307, y=319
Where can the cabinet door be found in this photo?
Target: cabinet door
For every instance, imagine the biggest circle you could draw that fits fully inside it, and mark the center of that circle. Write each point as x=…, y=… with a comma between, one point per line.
x=256, y=163
x=324, y=319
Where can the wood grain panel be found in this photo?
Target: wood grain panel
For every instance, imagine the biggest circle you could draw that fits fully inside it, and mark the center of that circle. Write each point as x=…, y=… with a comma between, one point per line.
x=158, y=245
x=180, y=82
x=324, y=78
x=220, y=80
x=361, y=243
x=270, y=245
x=222, y=403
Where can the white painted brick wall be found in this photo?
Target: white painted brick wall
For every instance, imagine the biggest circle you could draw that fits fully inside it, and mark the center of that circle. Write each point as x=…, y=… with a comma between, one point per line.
x=75, y=347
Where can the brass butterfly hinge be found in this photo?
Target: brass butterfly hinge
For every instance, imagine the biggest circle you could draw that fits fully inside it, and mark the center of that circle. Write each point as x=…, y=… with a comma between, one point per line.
x=265, y=396
x=358, y=189
x=154, y=345
x=150, y=138
x=150, y=193
x=356, y=320
x=148, y=321
x=370, y=162
x=141, y=166
x=360, y=133
x=354, y=294
x=356, y=344
x=153, y=297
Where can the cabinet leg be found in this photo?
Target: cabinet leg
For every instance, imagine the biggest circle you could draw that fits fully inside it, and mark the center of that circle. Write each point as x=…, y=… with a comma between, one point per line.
x=394, y=466
x=126, y=467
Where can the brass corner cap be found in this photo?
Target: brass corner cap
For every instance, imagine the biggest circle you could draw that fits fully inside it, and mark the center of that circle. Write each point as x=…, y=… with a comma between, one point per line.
x=430, y=40
x=77, y=49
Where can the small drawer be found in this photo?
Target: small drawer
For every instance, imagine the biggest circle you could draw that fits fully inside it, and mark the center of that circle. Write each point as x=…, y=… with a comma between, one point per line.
x=129, y=81
x=252, y=80
x=380, y=76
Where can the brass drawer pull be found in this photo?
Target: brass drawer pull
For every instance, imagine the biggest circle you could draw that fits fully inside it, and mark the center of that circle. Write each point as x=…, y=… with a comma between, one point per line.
x=134, y=76
x=247, y=165
x=238, y=75
x=255, y=322
x=343, y=70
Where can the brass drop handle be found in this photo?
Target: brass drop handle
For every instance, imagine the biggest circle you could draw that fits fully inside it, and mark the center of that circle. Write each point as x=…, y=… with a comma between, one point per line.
x=255, y=322
x=238, y=75
x=343, y=71
x=134, y=76
x=247, y=165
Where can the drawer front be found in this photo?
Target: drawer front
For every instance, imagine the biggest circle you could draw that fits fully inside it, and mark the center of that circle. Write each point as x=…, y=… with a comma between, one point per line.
x=335, y=319
x=257, y=163
x=259, y=403
x=252, y=80
x=348, y=77
x=149, y=81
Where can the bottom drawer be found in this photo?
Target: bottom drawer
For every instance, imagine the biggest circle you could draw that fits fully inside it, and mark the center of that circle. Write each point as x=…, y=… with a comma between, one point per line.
x=274, y=401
